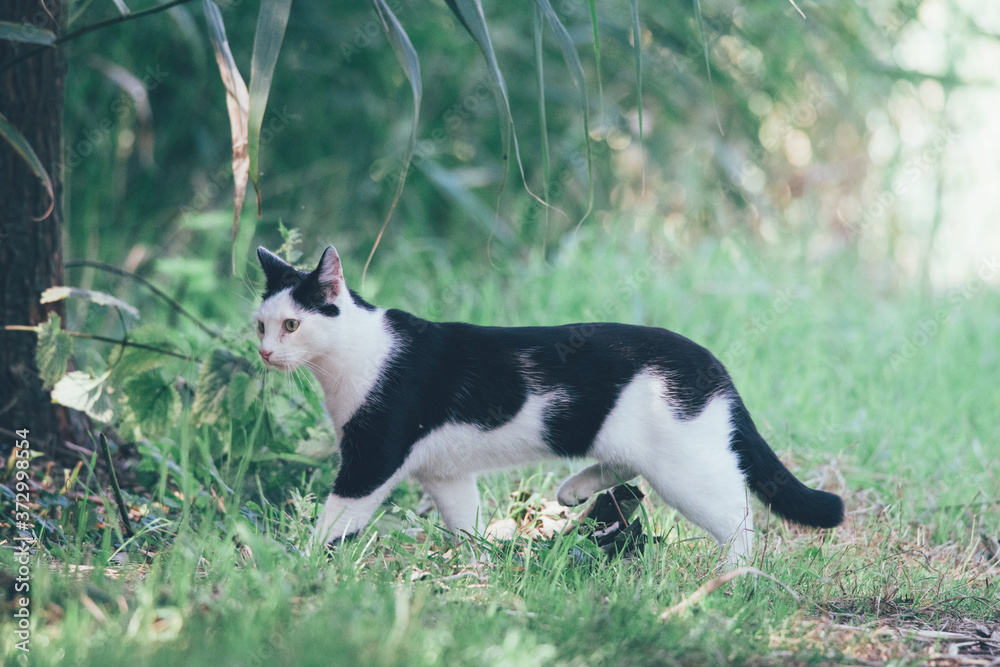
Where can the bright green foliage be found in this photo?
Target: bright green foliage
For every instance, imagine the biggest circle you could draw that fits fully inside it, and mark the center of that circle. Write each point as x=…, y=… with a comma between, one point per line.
x=214, y=386
x=243, y=391
x=131, y=361
x=54, y=348
x=152, y=402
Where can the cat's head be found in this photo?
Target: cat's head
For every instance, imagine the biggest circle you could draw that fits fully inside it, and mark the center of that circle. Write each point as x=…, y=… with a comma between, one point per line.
x=303, y=315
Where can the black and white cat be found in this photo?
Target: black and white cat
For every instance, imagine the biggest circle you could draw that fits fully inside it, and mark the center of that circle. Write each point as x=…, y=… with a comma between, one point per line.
x=443, y=402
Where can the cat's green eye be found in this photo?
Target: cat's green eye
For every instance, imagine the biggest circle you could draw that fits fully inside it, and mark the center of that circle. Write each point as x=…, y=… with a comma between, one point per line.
x=291, y=325
x=260, y=328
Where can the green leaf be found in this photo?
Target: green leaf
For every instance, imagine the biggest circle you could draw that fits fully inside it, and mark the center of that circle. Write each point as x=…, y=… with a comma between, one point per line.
x=597, y=55
x=536, y=27
x=213, y=385
x=24, y=149
x=271, y=23
x=407, y=57
x=238, y=105
x=135, y=360
x=53, y=349
x=59, y=293
x=84, y=392
x=243, y=391
x=153, y=402
x=25, y=32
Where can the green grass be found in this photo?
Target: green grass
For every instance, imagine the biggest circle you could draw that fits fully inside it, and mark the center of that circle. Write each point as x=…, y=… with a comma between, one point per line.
x=817, y=350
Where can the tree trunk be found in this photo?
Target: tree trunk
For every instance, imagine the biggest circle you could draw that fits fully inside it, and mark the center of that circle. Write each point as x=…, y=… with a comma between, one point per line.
x=31, y=97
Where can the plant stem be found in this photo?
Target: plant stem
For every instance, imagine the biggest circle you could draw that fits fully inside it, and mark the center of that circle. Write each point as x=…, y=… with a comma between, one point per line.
x=153, y=288
x=88, y=29
x=103, y=339
x=122, y=509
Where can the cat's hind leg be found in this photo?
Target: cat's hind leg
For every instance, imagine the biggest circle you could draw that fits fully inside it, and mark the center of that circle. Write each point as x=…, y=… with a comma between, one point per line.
x=457, y=499
x=597, y=477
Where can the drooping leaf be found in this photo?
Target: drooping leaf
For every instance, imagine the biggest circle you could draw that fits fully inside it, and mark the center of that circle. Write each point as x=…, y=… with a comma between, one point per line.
x=708, y=62
x=213, y=385
x=536, y=28
x=271, y=23
x=134, y=87
x=24, y=149
x=407, y=57
x=637, y=49
x=84, y=392
x=61, y=292
x=238, y=104
x=53, y=349
x=153, y=402
x=575, y=68
x=135, y=360
x=25, y=32
x=597, y=56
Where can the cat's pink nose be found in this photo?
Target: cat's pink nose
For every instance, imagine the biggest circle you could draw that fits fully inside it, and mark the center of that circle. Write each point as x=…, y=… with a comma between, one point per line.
x=266, y=354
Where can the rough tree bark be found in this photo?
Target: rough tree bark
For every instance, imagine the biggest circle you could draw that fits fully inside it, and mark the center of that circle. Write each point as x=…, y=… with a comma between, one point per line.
x=31, y=97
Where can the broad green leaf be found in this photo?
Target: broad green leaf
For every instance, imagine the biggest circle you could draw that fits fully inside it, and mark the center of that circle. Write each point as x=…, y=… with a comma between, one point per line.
x=25, y=32
x=213, y=385
x=576, y=72
x=135, y=360
x=100, y=298
x=243, y=391
x=407, y=57
x=27, y=153
x=53, y=349
x=82, y=391
x=153, y=402
x=637, y=48
x=271, y=23
x=238, y=104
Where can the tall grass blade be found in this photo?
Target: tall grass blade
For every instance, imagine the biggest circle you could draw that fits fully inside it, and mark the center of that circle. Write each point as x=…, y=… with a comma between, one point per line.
x=576, y=72
x=708, y=64
x=27, y=153
x=637, y=48
x=271, y=24
x=238, y=105
x=597, y=57
x=536, y=25
x=410, y=63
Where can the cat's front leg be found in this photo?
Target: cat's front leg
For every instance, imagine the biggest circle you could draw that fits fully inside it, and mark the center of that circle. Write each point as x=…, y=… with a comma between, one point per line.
x=342, y=517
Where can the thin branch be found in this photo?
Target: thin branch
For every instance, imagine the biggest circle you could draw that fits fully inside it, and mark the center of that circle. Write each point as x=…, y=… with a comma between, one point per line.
x=88, y=29
x=122, y=509
x=103, y=339
x=153, y=288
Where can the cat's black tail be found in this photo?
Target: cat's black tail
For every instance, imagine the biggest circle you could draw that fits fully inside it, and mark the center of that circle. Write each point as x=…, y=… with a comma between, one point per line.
x=768, y=477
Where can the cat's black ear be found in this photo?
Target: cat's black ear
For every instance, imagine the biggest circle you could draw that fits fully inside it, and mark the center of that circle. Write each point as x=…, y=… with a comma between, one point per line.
x=279, y=274
x=330, y=274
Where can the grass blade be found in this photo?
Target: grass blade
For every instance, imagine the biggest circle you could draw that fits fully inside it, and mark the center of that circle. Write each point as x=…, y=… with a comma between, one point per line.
x=708, y=63
x=536, y=25
x=122, y=7
x=271, y=24
x=25, y=32
x=597, y=57
x=576, y=72
x=637, y=48
x=238, y=104
x=24, y=149
x=410, y=63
